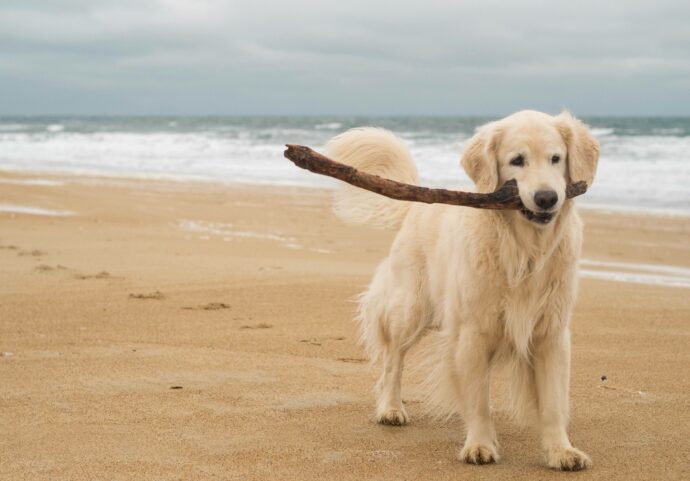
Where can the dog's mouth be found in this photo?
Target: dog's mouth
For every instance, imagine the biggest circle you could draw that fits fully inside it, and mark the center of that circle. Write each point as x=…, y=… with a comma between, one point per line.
x=541, y=218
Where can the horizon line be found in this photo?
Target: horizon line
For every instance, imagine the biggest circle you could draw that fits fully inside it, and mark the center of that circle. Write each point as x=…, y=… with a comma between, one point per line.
x=333, y=115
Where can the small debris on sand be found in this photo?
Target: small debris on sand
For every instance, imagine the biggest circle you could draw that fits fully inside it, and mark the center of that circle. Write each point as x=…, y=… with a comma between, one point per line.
x=357, y=360
x=35, y=253
x=151, y=295
x=211, y=306
x=316, y=341
x=46, y=268
x=175, y=387
x=261, y=325
x=100, y=275
x=215, y=306
x=270, y=268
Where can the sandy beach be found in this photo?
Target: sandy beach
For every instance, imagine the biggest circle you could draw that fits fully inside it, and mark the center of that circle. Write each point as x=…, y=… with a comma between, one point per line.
x=166, y=330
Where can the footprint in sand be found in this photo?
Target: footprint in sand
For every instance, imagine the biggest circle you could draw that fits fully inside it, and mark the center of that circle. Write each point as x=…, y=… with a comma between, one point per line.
x=269, y=268
x=211, y=306
x=47, y=268
x=9, y=247
x=261, y=325
x=356, y=360
x=33, y=253
x=100, y=275
x=316, y=341
x=157, y=295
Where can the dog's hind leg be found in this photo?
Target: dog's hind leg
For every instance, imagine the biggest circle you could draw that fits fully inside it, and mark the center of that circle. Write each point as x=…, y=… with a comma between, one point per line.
x=393, y=315
x=389, y=406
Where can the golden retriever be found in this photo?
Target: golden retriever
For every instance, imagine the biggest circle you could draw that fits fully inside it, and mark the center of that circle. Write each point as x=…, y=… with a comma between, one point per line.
x=498, y=285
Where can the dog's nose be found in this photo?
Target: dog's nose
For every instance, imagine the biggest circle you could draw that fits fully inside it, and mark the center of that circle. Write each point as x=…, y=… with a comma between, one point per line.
x=546, y=198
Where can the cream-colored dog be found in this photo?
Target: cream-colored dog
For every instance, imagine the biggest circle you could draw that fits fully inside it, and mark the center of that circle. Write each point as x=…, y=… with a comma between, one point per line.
x=498, y=285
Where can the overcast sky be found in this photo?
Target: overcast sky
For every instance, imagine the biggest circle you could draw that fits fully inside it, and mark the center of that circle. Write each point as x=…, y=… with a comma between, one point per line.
x=485, y=57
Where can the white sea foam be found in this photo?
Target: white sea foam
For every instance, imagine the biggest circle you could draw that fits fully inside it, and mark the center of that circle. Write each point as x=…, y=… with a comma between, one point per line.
x=645, y=170
x=31, y=210
x=601, y=132
x=650, y=274
x=683, y=272
x=635, y=278
x=633, y=209
x=12, y=127
x=157, y=154
x=229, y=232
x=328, y=126
x=668, y=131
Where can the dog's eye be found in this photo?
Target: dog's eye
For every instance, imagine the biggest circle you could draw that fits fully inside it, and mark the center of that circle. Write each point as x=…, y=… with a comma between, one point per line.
x=518, y=161
x=555, y=159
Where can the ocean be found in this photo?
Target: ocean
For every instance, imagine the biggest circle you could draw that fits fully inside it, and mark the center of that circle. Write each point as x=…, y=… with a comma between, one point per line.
x=644, y=165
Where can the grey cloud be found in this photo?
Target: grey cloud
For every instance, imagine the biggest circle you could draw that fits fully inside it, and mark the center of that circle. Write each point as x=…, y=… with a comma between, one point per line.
x=448, y=57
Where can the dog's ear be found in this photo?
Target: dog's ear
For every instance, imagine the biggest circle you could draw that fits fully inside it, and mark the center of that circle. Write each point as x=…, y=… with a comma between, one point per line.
x=479, y=159
x=583, y=148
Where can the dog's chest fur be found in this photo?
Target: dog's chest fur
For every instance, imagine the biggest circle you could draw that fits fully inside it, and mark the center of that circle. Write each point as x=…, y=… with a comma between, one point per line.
x=539, y=268
x=523, y=283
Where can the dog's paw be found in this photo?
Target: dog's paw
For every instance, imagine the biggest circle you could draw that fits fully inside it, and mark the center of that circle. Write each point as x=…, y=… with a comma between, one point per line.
x=567, y=459
x=392, y=417
x=479, y=453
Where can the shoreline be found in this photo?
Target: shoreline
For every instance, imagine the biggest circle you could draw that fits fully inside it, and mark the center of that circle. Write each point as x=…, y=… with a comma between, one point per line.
x=77, y=176
x=593, y=266
x=609, y=267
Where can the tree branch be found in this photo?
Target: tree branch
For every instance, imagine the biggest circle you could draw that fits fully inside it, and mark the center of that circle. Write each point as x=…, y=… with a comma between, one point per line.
x=506, y=197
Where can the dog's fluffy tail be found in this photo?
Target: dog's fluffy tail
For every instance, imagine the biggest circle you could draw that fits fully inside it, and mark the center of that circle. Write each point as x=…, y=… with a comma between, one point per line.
x=375, y=151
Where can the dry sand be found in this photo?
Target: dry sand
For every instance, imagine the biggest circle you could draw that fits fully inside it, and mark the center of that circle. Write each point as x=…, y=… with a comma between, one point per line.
x=198, y=331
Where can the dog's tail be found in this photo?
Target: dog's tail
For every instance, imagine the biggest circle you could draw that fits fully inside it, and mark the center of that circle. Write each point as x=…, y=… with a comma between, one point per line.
x=375, y=151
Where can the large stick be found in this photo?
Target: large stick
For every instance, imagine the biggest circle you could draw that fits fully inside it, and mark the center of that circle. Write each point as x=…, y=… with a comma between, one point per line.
x=506, y=197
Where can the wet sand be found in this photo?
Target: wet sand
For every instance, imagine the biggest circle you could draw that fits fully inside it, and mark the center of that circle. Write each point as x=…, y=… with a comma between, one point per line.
x=166, y=330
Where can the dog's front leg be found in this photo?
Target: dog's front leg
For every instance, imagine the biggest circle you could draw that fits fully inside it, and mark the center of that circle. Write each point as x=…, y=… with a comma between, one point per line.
x=473, y=359
x=552, y=375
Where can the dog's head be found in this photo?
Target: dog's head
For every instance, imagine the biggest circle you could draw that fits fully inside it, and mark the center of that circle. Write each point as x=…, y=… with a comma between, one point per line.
x=543, y=153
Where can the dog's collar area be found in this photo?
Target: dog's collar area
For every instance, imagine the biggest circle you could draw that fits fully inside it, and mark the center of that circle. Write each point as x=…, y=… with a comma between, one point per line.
x=542, y=218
